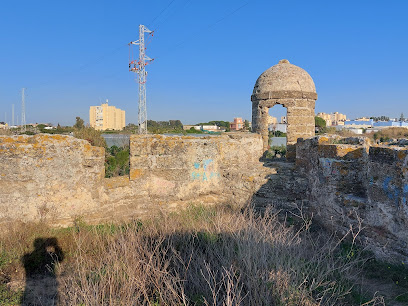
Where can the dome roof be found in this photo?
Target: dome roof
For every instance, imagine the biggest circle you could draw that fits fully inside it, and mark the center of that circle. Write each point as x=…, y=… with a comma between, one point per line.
x=284, y=77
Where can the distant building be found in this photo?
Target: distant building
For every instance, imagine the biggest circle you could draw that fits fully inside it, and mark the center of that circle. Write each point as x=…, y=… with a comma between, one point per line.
x=211, y=128
x=106, y=117
x=237, y=124
x=390, y=124
x=205, y=128
x=188, y=127
x=272, y=120
x=333, y=119
x=275, y=127
x=369, y=123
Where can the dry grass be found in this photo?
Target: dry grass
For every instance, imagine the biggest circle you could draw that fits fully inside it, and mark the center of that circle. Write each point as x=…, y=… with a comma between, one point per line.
x=390, y=133
x=202, y=256
x=5, y=132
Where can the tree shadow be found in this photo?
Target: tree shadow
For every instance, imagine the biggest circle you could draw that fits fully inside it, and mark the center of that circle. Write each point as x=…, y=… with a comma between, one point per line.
x=41, y=283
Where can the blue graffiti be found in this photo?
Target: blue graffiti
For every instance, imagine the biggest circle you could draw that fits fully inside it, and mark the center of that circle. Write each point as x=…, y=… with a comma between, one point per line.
x=204, y=171
x=206, y=163
x=195, y=175
x=327, y=166
x=387, y=188
x=393, y=192
x=405, y=194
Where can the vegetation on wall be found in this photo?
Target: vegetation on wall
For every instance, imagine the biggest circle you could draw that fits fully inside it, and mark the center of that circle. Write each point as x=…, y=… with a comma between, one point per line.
x=93, y=136
x=160, y=127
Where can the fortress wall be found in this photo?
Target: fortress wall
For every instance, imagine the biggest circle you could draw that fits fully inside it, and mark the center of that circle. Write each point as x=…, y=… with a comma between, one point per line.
x=59, y=178
x=350, y=181
x=48, y=176
x=211, y=169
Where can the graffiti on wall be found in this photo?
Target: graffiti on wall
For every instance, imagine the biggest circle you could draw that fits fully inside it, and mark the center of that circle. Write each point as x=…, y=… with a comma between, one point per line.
x=327, y=166
x=204, y=171
x=393, y=192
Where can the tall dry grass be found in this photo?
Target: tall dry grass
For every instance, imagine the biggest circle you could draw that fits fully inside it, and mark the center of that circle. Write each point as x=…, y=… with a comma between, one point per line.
x=202, y=256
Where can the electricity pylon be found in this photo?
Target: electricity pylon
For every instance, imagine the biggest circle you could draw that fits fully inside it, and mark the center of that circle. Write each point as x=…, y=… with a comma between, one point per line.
x=23, y=119
x=139, y=68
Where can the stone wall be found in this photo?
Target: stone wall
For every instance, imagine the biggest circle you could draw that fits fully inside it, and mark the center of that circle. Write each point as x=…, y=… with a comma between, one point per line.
x=350, y=180
x=216, y=169
x=59, y=178
x=341, y=181
x=54, y=177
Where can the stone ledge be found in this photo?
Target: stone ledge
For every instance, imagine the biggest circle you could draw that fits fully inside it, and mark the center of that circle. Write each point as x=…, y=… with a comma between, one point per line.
x=283, y=95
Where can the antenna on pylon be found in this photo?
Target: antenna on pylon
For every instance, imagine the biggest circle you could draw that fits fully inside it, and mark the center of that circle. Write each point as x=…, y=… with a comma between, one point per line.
x=138, y=66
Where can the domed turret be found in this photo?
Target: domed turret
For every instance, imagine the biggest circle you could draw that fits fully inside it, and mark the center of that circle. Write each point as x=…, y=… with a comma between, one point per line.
x=293, y=88
x=284, y=77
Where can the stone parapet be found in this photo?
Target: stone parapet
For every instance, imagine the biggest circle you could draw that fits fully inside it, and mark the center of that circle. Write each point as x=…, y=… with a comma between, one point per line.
x=57, y=178
x=350, y=180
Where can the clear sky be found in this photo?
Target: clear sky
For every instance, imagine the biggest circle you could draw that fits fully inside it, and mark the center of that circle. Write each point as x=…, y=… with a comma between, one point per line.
x=208, y=54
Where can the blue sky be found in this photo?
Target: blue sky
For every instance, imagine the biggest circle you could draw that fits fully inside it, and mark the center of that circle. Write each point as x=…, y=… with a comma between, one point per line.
x=208, y=54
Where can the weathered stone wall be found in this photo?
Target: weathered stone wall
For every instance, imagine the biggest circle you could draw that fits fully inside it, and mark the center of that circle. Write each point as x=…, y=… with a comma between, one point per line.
x=53, y=177
x=349, y=180
x=59, y=178
x=216, y=169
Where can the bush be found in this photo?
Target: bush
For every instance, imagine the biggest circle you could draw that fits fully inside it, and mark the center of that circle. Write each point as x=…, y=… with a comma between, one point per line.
x=275, y=152
x=117, y=161
x=93, y=136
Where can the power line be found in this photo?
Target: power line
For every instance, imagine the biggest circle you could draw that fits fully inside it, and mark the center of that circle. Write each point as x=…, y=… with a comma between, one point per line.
x=195, y=34
x=171, y=2
x=170, y=15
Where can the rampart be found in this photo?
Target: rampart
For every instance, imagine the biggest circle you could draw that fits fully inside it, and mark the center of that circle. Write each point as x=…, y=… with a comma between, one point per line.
x=60, y=178
x=343, y=182
x=350, y=181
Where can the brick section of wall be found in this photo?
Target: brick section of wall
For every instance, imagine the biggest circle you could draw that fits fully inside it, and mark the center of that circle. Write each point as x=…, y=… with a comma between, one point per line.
x=348, y=178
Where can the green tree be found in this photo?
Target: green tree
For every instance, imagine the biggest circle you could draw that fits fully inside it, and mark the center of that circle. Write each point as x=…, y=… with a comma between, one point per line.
x=79, y=124
x=320, y=122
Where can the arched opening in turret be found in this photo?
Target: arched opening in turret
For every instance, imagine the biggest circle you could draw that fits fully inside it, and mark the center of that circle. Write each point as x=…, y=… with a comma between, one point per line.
x=277, y=129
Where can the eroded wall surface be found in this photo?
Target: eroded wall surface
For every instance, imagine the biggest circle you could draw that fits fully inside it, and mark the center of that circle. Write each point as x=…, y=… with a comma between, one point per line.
x=46, y=176
x=222, y=169
x=349, y=180
x=60, y=178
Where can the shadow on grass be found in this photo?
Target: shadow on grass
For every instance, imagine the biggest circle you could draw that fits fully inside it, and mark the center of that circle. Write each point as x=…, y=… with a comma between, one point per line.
x=41, y=286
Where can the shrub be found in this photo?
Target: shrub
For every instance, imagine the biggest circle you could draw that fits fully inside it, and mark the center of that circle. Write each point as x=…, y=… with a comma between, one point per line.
x=93, y=136
x=117, y=161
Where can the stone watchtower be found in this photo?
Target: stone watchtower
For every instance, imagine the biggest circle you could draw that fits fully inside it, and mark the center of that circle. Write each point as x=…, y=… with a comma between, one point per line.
x=293, y=88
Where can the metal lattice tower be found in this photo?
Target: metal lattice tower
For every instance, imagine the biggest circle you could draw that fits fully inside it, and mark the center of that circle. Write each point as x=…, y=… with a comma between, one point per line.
x=23, y=119
x=139, y=68
x=12, y=114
